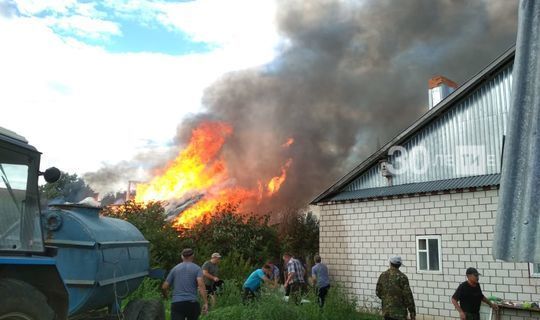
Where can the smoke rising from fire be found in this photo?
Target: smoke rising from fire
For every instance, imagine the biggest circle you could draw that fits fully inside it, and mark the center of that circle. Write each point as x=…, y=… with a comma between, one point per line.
x=349, y=74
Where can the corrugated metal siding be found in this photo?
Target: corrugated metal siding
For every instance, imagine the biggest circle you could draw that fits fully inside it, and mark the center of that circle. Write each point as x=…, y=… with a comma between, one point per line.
x=421, y=187
x=477, y=120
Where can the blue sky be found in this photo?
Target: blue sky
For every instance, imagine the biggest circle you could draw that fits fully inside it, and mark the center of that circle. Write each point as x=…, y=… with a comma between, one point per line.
x=138, y=38
x=129, y=34
x=115, y=77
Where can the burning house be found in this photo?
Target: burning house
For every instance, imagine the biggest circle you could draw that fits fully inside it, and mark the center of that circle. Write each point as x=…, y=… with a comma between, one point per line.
x=430, y=195
x=198, y=180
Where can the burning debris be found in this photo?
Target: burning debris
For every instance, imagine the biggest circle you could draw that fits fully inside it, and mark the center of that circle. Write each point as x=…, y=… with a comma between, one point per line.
x=197, y=181
x=174, y=209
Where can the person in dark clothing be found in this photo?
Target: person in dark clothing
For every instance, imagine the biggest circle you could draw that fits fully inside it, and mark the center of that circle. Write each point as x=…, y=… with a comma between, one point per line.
x=469, y=295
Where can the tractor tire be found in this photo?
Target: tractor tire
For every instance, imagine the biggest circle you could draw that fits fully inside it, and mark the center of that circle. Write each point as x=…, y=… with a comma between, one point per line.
x=21, y=301
x=144, y=310
x=152, y=310
x=133, y=309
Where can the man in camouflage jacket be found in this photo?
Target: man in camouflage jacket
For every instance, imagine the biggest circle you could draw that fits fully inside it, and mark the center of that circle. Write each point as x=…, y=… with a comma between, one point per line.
x=394, y=291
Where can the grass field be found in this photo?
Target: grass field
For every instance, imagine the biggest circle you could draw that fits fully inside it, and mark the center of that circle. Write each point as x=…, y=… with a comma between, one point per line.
x=270, y=306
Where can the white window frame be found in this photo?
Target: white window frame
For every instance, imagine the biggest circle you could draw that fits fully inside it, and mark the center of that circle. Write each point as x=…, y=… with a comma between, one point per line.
x=428, y=237
x=531, y=271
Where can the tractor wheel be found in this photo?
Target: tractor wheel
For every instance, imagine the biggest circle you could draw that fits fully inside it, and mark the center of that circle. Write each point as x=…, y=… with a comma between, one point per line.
x=152, y=310
x=144, y=310
x=133, y=309
x=21, y=301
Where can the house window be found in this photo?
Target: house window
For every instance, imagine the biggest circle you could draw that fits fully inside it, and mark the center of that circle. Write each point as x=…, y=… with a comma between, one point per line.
x=534, y=269
x=428, y=254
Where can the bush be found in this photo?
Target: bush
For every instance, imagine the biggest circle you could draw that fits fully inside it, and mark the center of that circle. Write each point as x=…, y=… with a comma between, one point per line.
x=229, y=231
x=235, y=267
x=248, y=239
x=272, y=306
x=149, y=289
x=230, y=295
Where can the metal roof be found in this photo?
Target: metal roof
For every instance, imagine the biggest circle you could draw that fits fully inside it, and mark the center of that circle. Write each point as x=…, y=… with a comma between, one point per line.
x=13, y=135
x=12, y=138
x=421, y=187
x=473, y=128
x=435, y=113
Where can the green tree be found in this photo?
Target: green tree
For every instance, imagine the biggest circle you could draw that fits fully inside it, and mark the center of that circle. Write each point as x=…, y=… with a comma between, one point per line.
x=300, y=233
x=69, y=187
x=112, y=198
x=229, y=231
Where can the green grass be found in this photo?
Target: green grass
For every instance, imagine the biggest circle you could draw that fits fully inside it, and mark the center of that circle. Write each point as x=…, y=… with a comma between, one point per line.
x=149, y=289
x=270, y=306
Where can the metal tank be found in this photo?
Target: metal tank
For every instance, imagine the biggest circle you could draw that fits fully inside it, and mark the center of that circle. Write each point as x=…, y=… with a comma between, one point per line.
x=101, y=259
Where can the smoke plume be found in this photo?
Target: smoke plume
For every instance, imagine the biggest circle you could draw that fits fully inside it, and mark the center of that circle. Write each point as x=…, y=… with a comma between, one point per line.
x=351, y=75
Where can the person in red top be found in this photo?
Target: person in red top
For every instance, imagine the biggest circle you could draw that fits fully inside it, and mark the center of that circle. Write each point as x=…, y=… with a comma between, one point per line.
x=470, y=297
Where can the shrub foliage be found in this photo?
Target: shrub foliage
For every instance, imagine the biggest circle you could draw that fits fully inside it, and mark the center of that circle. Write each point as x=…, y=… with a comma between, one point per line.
x=244, y=240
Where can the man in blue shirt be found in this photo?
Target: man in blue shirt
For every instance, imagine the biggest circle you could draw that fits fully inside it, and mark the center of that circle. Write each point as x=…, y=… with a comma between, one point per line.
x=253, y=282
x=319, y=273
x=185, y=278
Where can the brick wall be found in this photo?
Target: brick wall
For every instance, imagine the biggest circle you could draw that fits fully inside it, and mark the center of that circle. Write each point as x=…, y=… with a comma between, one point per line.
x=357, y=238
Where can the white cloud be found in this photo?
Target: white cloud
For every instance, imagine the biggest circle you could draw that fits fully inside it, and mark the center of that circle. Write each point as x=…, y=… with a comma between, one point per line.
x=245, y=27
x=83, y=106
x=85, y=27
x=32, y=7
x=224, y=22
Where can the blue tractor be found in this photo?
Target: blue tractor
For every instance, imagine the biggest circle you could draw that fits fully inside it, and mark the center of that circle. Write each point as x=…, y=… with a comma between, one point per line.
x=67, y=261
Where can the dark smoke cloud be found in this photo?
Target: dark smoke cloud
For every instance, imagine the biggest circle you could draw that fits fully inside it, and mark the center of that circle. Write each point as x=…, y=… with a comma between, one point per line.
x=351, y=75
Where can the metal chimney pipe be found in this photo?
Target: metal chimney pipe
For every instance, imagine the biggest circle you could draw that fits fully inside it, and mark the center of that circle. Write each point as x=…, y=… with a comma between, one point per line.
x=439, y=88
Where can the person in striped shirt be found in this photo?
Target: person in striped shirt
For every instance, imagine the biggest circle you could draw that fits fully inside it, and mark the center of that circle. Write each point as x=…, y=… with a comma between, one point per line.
x=295, y=280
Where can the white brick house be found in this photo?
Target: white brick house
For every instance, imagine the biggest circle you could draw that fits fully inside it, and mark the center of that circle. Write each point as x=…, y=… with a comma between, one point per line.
x=440, y=220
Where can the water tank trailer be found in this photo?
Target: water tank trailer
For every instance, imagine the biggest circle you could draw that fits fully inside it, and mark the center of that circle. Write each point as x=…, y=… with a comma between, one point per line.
x=68, y=260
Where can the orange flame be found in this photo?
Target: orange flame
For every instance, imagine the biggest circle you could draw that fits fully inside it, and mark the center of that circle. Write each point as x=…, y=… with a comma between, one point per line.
x=200, y=169
x=204, y=208
x=288, y=143
x=275, y=183
x=194, y=169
